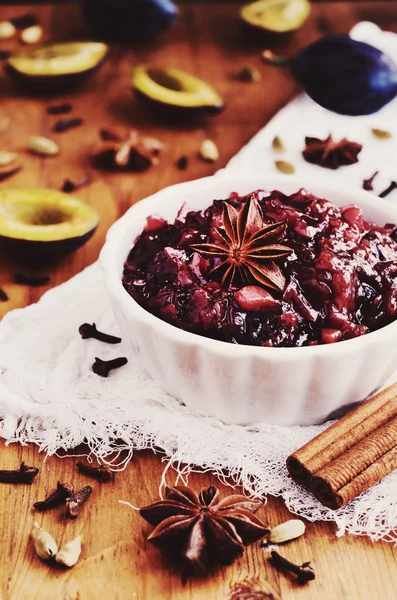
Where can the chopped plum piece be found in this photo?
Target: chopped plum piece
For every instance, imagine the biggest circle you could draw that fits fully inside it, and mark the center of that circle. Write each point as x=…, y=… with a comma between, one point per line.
x=168, y=313
x=256, y=299
x=354, y=216
x=391, y=302
x=189, y=237
x=344, y=286
x=329, y=335
x=293, y=295
x=174, y=262
x=340, y=280
x=153, y=223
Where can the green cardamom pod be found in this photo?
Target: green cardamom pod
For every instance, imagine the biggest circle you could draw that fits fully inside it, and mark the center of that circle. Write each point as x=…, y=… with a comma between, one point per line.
x=284, y=167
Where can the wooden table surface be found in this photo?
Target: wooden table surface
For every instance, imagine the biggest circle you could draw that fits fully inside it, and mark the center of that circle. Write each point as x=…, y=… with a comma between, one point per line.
x=116, y=561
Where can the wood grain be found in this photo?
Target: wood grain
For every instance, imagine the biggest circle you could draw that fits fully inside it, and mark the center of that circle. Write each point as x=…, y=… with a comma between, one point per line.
x=116, y=561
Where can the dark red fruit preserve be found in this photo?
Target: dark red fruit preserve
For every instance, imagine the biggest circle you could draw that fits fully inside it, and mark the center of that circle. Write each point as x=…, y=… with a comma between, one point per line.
x=341, y=279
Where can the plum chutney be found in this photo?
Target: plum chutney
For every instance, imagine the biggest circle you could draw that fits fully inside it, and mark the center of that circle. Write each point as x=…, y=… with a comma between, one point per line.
x=341, y=278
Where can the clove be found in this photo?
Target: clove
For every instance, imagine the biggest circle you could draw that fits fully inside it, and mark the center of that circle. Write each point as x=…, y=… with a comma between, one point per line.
x=388, y=190
x=71, y=186
x=100, y=473
x=22, y=475
x=103, y=367
x=73, y=504
x=24, y=21
x=182, y=162
x=88, y=331
x=367, y=183
x=304, y=572
x=31, y=280
x=65, y=124
x=57, y=497
x=59, y=109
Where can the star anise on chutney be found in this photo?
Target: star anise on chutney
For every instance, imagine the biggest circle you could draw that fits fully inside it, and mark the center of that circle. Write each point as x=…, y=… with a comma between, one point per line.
x=247, y=247
x=203, y=530
x=330, y=154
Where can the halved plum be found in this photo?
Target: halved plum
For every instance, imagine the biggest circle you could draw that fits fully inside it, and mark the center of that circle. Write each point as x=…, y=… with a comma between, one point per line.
x=275, y=16
x=41, y=225
x=175, y=91
x=57, y=65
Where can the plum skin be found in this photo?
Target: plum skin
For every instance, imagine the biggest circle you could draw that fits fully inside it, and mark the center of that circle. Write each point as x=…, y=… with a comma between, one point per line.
x=129, y=20
x=37, y=253
x=50, y=84
x=346, y=76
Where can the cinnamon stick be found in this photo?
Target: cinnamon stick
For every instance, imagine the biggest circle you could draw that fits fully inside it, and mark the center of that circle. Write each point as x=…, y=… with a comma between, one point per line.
x=351, y=455
x=379, y=469
x=342, y=435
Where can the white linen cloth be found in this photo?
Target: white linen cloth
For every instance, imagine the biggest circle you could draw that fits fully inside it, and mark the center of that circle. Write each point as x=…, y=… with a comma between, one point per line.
x=50, y=396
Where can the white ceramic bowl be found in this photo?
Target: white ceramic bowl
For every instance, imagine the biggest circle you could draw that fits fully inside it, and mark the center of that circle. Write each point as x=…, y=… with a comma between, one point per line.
x=247, y=384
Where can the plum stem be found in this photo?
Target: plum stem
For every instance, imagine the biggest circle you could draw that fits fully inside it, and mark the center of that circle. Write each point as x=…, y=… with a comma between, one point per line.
x=270, y=58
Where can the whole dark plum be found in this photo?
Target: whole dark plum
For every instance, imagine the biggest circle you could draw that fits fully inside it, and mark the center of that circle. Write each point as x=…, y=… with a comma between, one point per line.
x=346, y=76
x=129, y=20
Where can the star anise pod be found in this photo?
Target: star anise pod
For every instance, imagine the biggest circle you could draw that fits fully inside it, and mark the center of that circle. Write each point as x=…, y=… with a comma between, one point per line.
x=202, y=529
x=247, y=247
x=130, y=152
x=331, y=154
